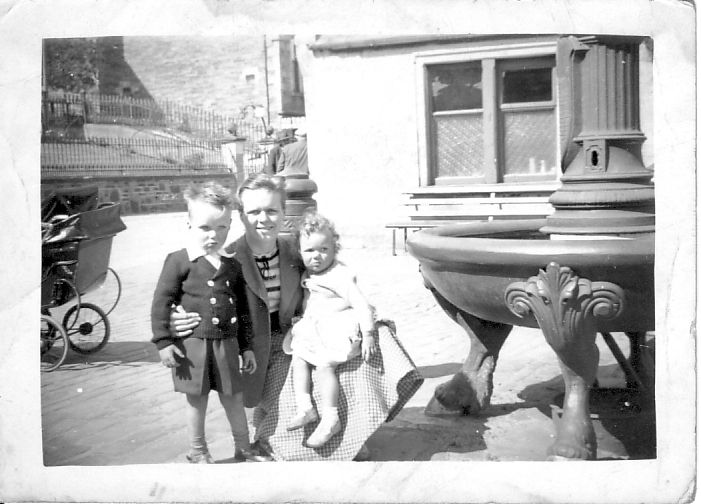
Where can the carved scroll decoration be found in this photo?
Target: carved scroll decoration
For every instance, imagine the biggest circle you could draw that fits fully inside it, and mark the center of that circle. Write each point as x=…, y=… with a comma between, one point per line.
x=563, y=303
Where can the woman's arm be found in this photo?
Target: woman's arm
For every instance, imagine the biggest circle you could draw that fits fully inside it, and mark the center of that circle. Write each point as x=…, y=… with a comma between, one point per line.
x=181, y=323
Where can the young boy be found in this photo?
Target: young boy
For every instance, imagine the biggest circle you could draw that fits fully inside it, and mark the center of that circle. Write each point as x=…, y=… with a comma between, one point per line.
x=199, y=279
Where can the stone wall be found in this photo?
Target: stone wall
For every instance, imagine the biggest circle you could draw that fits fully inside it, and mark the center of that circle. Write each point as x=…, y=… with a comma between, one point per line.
x=139, y=194
x=219, y=73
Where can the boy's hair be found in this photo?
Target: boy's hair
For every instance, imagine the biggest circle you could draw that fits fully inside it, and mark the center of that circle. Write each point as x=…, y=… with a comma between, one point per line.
x=210, y=192
x=312, y=222
x=262, y=180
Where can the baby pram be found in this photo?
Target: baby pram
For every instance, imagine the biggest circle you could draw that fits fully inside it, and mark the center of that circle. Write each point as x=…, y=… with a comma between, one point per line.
x=75, y=253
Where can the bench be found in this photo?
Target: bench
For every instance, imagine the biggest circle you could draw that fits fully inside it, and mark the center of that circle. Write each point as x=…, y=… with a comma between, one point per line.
x=432, y=206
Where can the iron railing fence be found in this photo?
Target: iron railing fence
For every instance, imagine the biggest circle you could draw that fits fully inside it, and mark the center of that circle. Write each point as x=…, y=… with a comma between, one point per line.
x=129, y=156
x=62, y=112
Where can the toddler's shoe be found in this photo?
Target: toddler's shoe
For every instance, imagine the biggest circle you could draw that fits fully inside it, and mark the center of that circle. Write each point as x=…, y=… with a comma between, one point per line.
x=324, y=431
x=301, y=419
x=199, y=458
x=251, y=454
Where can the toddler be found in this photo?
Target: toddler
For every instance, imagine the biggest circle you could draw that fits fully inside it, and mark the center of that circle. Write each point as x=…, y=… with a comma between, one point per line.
x=200, y=280
x=337, y=325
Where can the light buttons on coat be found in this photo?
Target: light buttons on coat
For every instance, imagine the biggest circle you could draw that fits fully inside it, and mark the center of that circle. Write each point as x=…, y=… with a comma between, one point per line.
x=215, y=321
x=233, y=319
x=212, y=300
x=210, y=283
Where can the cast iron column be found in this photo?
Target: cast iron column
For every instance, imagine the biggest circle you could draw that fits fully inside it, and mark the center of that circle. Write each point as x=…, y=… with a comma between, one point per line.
x=605, y=190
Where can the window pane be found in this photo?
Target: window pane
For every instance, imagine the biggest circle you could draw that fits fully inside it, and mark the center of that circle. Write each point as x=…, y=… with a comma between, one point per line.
x=456, y=87
x=529, y=142
x=530, y=85
x=459, y=146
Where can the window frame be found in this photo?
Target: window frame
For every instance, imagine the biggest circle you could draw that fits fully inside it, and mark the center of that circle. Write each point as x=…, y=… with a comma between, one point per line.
x=505, y=108
x=490, y=53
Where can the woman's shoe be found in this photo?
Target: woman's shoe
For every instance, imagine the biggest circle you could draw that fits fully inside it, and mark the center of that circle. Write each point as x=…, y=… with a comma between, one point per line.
x=324, y=432
x=199, y=458
x=363, y=454
x=251, y=455
x=300, y=420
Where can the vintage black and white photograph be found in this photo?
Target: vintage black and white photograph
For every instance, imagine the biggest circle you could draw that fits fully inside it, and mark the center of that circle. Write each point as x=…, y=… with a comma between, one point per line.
x=487, y=207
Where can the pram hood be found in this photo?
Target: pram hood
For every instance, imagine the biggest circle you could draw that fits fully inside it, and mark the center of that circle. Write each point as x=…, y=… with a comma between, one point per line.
x=73, y=214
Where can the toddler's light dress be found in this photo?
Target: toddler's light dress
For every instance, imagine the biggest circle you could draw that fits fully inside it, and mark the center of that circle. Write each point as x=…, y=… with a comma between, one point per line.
x=329, y=332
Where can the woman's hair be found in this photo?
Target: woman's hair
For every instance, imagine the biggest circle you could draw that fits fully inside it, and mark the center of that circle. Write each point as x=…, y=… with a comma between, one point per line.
x=263, y=181
x=210, y=192
x=313, y=222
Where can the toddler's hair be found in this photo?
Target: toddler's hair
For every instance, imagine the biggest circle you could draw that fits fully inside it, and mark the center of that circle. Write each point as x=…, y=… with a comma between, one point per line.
x=312, y=222
x=262, y=180
x=210, y=192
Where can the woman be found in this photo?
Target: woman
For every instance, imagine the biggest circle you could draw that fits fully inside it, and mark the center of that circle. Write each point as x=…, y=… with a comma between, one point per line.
x=272, y=269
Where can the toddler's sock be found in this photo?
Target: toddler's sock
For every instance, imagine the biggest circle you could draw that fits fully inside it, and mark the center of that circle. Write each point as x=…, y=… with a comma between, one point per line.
x=329, y=414
x=304, y=402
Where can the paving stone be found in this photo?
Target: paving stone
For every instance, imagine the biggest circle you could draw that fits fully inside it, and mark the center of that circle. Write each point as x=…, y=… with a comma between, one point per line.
x=117, y=406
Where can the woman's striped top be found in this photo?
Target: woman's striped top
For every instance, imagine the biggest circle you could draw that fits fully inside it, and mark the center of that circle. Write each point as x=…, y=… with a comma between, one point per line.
x=269, y=267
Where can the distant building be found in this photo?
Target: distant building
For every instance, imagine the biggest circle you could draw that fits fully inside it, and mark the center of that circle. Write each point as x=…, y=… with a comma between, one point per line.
x=227, y=75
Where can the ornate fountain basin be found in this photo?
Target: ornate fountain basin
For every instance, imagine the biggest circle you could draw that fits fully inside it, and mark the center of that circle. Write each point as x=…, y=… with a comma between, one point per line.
x=472, y=265
x=490, y=276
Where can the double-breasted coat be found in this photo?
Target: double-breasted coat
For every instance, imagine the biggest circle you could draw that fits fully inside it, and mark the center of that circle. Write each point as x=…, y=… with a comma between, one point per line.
x=291, y=305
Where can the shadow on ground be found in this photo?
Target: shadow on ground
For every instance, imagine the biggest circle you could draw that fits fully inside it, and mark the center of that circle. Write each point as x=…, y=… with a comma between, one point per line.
x=114, y=353
x=438, y=370
x=624, y=422
x=625, y=414
x=436, y=439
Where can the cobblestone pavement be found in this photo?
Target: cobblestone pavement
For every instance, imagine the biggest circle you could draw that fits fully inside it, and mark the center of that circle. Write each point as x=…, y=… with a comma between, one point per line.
x=117, y=406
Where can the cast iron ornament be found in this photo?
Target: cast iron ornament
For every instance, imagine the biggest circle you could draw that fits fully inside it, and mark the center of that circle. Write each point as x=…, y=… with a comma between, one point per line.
x=563, y=303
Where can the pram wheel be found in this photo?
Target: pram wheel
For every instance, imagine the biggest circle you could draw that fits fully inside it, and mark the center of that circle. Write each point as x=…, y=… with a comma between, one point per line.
x=54, y=343
x=107, y=294
x=87, y=327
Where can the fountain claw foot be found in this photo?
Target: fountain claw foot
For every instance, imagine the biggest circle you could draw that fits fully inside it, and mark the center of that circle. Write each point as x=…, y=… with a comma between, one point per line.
x=563, y=451
x=436, y=409
x=466, y=394
x=459, y=395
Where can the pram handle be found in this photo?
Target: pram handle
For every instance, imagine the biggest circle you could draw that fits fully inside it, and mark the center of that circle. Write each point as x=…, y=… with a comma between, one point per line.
x=59, y=264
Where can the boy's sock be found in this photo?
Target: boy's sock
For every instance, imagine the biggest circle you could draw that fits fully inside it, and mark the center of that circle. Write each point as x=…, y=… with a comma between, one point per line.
x=239, y=431
x=198, y=445
x=241, y=439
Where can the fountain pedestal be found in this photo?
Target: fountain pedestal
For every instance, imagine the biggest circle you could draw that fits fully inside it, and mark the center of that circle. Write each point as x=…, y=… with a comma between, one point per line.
x=588, y=268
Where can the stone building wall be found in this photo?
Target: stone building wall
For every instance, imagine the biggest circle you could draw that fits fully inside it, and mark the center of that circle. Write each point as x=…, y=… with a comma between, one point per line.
x=140, y=194
x=219, y=74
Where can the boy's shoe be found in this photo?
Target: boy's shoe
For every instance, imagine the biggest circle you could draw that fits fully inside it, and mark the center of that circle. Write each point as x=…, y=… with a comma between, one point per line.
x=199, y=458
x=301, y=419
x=251, y=454
x=324, y=431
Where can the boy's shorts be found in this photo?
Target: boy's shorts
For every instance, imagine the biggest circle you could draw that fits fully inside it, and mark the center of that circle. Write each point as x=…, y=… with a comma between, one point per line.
x=209, y=364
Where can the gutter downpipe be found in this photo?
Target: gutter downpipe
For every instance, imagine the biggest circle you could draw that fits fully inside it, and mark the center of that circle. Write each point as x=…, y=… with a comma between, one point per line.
x=267, y=87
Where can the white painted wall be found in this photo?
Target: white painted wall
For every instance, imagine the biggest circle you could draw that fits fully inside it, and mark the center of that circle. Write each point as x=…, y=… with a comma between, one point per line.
x=363, y=126
x=362, y=137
